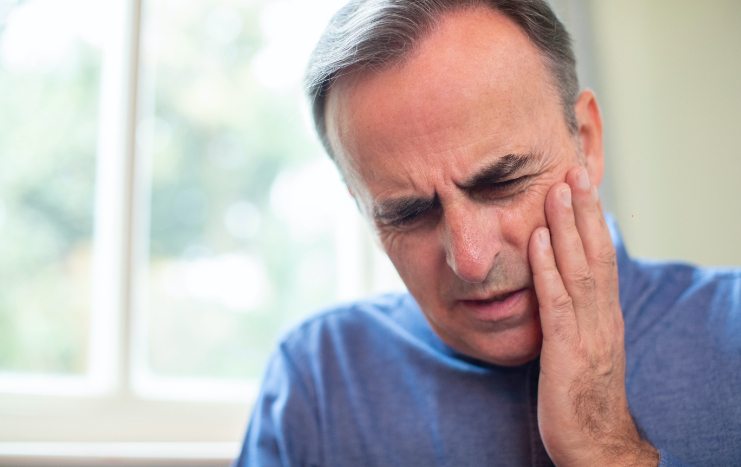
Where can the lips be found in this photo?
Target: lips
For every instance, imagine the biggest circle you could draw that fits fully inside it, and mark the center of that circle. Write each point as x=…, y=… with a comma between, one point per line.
x=492, y=298
x=498, y=307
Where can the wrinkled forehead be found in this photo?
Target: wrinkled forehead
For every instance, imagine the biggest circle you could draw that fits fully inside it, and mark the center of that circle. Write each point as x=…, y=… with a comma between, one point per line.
x=476, y=66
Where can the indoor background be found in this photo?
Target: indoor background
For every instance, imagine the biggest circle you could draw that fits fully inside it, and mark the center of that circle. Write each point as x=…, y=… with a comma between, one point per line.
x=166, y=211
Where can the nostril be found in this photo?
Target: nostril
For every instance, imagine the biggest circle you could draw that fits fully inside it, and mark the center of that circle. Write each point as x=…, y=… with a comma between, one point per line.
x=468, y=263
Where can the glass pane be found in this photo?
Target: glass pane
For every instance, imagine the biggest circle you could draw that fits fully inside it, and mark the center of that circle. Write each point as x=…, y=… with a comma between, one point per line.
x=50, y=66
x=243, y=201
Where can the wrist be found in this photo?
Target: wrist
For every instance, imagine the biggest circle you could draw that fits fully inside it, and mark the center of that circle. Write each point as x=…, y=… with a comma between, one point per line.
x=636, y=453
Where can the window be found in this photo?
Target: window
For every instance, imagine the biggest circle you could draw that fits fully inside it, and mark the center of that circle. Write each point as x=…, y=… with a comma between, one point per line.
x=242, y=205
x=51, y=73
x=166, y=214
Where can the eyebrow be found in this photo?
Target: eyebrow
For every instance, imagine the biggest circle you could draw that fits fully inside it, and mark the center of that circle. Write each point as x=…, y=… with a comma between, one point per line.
x=500, y=171
x=394, y=209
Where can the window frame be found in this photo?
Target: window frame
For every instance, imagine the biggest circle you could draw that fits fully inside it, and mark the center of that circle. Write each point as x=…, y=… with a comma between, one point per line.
x=105, y=404
x=117, y=401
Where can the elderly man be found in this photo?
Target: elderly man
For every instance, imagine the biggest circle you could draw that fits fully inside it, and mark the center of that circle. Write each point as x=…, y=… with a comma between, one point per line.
x=529, y=336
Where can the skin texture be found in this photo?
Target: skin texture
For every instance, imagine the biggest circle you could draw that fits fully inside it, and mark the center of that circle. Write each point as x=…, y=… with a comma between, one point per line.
x=459, y=156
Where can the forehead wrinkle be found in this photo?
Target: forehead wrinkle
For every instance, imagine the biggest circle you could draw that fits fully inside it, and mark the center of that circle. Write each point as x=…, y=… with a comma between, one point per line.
x=408, y=182
x=429, y=103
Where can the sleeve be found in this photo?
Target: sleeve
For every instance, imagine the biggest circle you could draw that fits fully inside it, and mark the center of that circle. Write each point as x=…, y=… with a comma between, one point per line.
x=667, y=460
x=283, y=429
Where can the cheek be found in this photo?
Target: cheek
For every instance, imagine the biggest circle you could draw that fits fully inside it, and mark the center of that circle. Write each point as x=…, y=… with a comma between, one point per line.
x=415, y=257
x=523, y=217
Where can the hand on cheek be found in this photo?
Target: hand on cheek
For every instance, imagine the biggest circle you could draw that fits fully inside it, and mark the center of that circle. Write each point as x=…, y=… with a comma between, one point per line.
x=583, y=412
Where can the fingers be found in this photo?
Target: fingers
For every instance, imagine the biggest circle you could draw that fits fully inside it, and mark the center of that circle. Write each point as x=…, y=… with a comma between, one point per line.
x=581, y=390
x=568, y=248
x=590, y=223
x=582, y=247
x=556, y=307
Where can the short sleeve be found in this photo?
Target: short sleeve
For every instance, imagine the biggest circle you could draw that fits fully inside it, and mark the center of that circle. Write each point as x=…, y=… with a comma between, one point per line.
x=283, y=427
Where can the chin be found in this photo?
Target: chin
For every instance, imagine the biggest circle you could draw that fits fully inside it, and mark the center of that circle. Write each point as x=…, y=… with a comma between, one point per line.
x=515, y=359
x=511, y=348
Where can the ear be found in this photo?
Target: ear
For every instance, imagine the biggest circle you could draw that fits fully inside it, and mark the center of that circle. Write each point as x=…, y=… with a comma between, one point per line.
x=589, y=134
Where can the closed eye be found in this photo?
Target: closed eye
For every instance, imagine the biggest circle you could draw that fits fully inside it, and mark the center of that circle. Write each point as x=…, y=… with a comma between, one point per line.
x=499, y=190
x=408, y=213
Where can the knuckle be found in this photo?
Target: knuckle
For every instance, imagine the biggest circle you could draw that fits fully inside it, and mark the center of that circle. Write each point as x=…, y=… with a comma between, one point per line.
x=585, y=281
x=606, y=257
x=561, y=330
x=562, y=302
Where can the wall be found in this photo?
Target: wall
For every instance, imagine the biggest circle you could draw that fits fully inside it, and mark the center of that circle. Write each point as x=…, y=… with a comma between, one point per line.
x=667, y=76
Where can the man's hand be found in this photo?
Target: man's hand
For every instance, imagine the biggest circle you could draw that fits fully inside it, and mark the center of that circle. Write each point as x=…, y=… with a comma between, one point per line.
x=583, y=411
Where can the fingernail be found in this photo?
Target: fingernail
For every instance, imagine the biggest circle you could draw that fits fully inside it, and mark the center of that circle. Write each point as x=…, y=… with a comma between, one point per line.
x=564, y=194
x=582, y=179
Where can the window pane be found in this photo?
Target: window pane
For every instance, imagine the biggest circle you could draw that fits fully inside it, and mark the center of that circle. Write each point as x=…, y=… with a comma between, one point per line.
x=50, y=64
x=243, y=202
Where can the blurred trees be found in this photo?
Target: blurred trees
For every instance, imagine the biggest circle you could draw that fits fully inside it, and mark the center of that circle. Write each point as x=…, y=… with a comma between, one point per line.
x=48, y=126
x=230, y=160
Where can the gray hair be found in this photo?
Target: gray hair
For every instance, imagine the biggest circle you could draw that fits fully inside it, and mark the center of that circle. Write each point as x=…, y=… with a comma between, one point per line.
x=372, y=34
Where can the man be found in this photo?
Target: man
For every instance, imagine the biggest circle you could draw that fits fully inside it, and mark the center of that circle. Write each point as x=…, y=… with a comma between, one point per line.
x=529, y=336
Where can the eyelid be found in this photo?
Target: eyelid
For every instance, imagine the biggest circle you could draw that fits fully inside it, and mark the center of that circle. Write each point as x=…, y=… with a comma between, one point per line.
x=396, y=222
x=406, y=217
x=500, y=189
x=502, y=184
x=512, y=181
x=402, y=210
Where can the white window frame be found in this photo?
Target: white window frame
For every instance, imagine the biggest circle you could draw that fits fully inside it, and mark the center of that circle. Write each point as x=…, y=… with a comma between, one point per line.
x=115, y=408
x=105, y=406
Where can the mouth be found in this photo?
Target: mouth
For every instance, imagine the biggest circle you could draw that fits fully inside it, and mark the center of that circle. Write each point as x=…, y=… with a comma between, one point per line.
x=500, y=297
x=498, y=307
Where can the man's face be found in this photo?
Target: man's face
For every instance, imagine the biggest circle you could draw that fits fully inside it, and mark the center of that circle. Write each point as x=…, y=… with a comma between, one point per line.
x=451, y=154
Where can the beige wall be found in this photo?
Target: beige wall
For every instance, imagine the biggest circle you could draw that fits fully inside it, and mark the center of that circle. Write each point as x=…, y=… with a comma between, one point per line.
x=668, y=76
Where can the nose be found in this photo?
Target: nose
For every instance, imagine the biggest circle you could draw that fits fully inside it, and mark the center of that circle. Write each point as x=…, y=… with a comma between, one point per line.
x=472, y=242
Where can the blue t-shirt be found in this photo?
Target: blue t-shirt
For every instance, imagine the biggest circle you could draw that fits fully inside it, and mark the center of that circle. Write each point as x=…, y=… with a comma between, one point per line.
x=370, y=384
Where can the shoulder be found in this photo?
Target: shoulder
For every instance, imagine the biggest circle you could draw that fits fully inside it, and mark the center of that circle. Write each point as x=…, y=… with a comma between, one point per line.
x=658, y=287
x=685, y=303
x=346, y=327
x=683, y=343
x=350, y=316
x=340, y=352
x=673, y=283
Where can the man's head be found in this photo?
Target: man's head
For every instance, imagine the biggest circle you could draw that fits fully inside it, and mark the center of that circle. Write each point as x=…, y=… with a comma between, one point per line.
x=449, y=135
x=368, y=35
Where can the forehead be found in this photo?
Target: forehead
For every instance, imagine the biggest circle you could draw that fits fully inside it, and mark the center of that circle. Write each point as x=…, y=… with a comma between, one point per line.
x=474, y=85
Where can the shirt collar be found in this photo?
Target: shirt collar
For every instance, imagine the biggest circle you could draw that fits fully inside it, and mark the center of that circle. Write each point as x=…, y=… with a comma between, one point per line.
x=625, y=263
